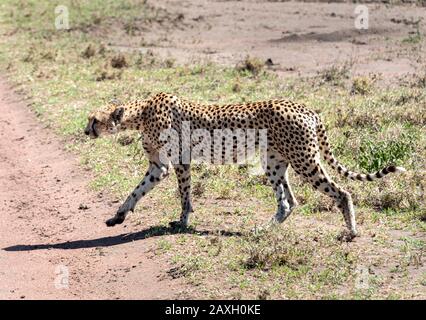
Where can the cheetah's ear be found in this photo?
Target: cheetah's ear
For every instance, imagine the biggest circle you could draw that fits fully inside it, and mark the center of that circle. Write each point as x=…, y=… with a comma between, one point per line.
x=115, y=102
x=117, y=114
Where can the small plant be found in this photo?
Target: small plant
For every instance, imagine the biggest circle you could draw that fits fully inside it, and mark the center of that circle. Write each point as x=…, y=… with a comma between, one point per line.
x=131, y=27
x=422, y=215
x=164, y=245
x=335, y=74
x=102, y=49
x=89, y=52
x=375, y=155
x=274, y=249
x=419, y=81
x=119, y=61
x=392, y=200
x=29, y=56
x=236, y=87
x=107, y=74
x=407, y=97
x=414, y=38
x=251, y=65
x=125, y=139
x=198, y=188
x=170, y=62
x=225, y=190
x=189, y=266
x=147, y=59
x=97, y=19
x=362, y=85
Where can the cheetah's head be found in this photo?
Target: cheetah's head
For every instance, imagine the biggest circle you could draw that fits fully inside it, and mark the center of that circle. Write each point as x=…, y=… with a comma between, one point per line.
x=104, y=121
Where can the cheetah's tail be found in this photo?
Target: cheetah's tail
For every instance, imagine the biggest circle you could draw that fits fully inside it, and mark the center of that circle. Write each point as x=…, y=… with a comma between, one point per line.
x=331, y=160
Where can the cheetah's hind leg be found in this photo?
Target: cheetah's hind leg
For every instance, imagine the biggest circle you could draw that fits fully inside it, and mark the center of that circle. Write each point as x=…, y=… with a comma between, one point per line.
x=322, y=182
x=183, y=174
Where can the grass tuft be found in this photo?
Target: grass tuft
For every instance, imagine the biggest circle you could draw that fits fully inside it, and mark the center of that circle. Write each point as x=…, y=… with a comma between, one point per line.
x=251, y=65
x=89, y=52
x=272, y=249
x=362, y=85
x=375, y=155
x=119, y=61
x=336, y=74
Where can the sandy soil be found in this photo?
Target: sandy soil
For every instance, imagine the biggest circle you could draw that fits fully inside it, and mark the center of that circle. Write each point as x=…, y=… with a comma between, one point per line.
x=299, y=38
x=51, y=221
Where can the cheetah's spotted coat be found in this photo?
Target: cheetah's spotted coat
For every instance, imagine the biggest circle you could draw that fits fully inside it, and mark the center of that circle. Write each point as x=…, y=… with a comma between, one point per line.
x=295, y=136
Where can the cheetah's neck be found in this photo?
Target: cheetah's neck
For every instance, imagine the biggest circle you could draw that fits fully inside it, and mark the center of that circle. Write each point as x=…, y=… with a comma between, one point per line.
x=133, y=115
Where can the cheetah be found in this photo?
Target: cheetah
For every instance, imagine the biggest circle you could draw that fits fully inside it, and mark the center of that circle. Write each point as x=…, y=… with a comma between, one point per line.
x=295, y=137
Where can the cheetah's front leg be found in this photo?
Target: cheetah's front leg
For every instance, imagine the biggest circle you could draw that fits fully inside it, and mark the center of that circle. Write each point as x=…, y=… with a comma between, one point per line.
x=277, y=173
x=156, y=172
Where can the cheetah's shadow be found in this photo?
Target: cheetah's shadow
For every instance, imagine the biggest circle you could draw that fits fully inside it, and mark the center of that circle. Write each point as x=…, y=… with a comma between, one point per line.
x=123, y=238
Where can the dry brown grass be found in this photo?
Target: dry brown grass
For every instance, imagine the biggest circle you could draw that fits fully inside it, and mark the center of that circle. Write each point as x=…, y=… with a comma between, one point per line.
x=251, y=64
x=119, y=61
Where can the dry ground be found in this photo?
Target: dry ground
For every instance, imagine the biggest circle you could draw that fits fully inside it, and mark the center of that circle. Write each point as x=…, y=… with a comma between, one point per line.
x=50, y=219
x=300, y=38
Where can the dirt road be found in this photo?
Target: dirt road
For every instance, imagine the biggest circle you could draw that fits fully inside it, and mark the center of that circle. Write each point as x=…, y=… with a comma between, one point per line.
x=53, y=240
x=300, y=38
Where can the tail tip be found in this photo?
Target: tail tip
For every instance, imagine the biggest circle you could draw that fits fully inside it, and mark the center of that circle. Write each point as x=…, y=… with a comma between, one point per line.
x=396, y=169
